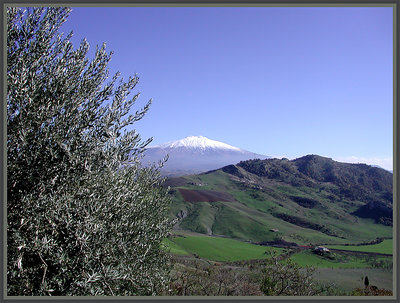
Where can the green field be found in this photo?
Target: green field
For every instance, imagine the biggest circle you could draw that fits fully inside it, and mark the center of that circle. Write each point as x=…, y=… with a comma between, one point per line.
x=174, y=248
x=342, y=260
x=351, y=278
x=226, y=249
x=308, y=258
x=385, y=247
x=217, y=248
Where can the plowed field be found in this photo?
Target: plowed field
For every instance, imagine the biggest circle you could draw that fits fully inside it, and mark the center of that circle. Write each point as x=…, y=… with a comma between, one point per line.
x=205, y=196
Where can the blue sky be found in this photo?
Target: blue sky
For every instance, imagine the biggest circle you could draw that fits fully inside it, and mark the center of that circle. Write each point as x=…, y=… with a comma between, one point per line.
x=276, y=81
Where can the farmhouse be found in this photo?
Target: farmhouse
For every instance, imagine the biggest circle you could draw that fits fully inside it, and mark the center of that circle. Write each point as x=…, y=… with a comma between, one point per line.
x=321, y=250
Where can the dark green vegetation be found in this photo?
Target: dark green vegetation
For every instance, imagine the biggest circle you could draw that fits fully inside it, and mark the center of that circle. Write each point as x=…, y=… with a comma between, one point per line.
x=308, y=200
x=83, y=217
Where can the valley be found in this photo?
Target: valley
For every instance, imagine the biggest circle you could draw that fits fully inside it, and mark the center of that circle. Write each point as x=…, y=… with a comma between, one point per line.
x=340, y=270
x=236, y=211
x=289, y=207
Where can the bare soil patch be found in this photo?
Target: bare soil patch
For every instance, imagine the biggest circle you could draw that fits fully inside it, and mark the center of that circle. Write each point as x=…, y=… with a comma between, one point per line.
x=205, y=196
x=173, y=182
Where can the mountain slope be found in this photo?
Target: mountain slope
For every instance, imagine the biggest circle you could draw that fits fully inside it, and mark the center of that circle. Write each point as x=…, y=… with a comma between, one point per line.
x=356, y=181
x=307, y=200
x=196, y=154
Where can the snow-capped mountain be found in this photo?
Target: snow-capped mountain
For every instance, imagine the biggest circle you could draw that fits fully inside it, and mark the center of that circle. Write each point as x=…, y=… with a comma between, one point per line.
x=196, y=154
x=197, y=142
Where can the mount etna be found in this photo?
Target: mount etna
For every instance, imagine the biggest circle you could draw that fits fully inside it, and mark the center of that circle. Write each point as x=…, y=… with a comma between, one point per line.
x=196, y=154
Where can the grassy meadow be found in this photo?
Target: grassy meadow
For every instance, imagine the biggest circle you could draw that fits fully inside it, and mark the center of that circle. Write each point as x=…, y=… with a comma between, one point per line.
x=217, y=248
x=385, y=247
x=340, y=260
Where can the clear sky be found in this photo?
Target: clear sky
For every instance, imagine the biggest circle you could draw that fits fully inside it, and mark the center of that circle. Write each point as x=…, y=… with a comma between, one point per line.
x=276, y=81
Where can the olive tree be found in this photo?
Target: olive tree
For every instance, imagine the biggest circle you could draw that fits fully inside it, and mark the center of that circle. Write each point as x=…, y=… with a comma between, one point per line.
x=83, y=216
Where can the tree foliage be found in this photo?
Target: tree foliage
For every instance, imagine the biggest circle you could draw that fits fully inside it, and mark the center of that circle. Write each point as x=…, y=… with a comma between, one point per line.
x=286, y=278
x=84, y=218
x=202, y=278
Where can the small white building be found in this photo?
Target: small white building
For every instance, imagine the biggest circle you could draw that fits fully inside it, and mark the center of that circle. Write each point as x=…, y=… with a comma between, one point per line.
x=321, y=249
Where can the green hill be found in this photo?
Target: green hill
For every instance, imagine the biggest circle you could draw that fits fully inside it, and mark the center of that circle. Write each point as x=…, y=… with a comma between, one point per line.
x=307, y=200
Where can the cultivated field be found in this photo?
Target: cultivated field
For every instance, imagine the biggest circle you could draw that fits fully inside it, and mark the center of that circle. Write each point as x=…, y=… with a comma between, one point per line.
x=385, y=247
x=217, y=248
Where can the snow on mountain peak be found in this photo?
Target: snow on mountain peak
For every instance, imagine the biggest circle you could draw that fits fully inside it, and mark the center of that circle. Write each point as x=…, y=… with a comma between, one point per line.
x=198, y=142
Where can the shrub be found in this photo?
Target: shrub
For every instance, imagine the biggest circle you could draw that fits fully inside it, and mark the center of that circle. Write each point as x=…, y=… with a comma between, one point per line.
x=286, y=278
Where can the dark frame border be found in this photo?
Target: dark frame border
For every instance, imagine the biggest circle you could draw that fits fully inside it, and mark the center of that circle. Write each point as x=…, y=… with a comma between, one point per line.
x=396, y=133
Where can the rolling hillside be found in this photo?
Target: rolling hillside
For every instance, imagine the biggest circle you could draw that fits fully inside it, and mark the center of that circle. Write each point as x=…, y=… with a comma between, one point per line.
x=307, y=200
